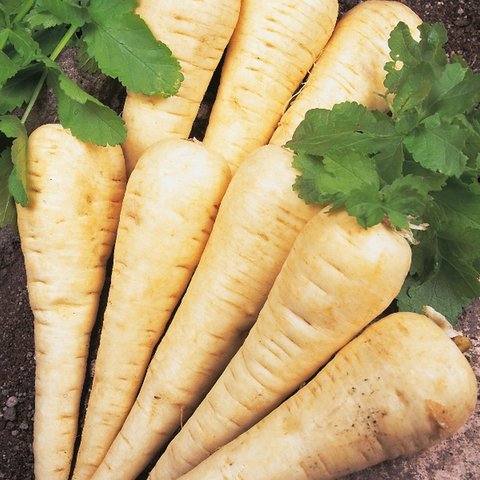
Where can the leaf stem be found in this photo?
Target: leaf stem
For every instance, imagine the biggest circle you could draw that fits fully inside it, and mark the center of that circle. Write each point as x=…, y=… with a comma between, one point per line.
x=60, y=46
x=3, y=42
x=63, y=42
x=34, y=96
x=24, y=10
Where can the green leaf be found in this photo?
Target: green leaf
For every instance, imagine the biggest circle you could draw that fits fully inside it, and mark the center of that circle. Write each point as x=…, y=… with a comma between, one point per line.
x=331, y=179
x=438, y=146
x=347, y=125
x=305, y=184
x=446, y=268
x=10, y=7
x=8, y=68
x=433, y=181
x=16, y=188
x=12, y=127
x=432, y=39
x=84, y=61
x=407, y=121
x=100, y=9
x=453, y=282
x=347, y=172
x=7, y=204
x=4, y=34
x=415, y=87
x=18, y=89
x=366, y=205
x=406, y=196
x=48, y=39
x=389, y=163
x=91, y=121
x=86, y=117
x=126, y=49
x=19, y=172
x=412, y=74
x=25, y=45
x=65, y=11
x=41, y=18
x=458, y=208
x=456, y=90
x=435, y=292
x=402, y=48
x=470, y=124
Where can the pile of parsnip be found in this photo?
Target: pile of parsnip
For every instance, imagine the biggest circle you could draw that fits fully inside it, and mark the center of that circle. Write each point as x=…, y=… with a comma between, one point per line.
x=229, y=294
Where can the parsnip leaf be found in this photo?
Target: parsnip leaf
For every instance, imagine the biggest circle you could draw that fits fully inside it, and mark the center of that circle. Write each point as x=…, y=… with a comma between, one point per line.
x=18, y=89
x=85, y=62
x=84, y=115
x=446, y=270
x=12, y=127
x=16, y=188
x=124, y=48
x=389, y=163
x=64, y=11
x=457, y=90
x=438, y=145
x=7, y=204
x=100, y=9
x=8, y=68
x=19, y=160
x=436, y=292
x=366, y=205
x=346, y=126
x=41, y=18
x=406, y=196
x=48, y=38
x=23, y=43
x=10, y=7
x=331, y=179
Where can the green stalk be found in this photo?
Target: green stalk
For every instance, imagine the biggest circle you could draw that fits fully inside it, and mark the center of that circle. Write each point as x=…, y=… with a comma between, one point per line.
x=63, y=42
x=3, y=42
x=24, y=10
x=34, y=96
x=60, y=46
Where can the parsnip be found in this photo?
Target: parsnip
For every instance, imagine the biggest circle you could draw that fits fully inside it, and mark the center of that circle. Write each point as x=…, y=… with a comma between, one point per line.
x=273, y=46
x=336, y=279
x=239, y=266
x=398, y=388
x=351, y=66
x=67, y=234
x=169, y=208
x=197, y=32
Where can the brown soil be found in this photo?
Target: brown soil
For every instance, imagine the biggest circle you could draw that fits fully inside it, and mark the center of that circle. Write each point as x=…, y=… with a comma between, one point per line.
x=454, y=459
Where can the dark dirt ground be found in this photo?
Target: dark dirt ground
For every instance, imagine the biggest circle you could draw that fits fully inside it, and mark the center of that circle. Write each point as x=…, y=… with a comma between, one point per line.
x=457, y=458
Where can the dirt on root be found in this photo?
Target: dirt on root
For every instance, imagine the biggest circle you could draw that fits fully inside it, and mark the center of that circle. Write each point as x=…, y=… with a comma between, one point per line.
x=455, y=459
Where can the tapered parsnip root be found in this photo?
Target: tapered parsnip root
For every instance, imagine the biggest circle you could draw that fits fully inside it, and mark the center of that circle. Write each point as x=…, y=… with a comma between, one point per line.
x=197, y=32
x=170, y=205
x=67, y=233
x=398, y=388
x=258, y=220
x=336, y=279
x=351, y=66
x=273, y=46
